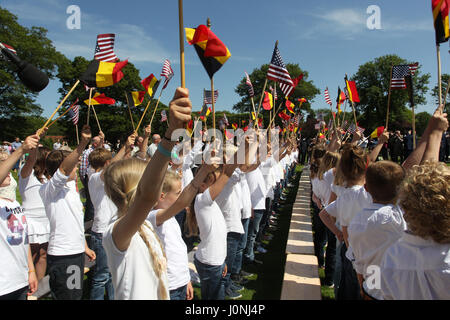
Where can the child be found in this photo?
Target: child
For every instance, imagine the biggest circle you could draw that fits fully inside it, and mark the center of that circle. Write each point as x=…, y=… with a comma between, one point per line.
x=18, y=277
x=205, y=213
x=134, y=253
x=31, y=177
x=172, y=201
x=378, y=226
x=8, y=191
x=67, y=245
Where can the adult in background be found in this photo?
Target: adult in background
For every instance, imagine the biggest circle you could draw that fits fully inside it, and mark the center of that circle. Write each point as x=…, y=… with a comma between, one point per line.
x=304, y=151
x=57, y=145
x=85, y=169
x=156, y=140
x=14, y=146
x=396, y=145
x=408, y=144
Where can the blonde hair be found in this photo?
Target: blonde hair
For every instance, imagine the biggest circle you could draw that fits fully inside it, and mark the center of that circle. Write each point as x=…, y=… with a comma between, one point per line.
x=424, y=197
x=170, y=179
x=121, y=181
x=329, y=161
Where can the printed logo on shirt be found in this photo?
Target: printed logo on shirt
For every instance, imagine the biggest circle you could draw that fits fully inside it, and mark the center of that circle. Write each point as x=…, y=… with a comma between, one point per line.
x=17, y=228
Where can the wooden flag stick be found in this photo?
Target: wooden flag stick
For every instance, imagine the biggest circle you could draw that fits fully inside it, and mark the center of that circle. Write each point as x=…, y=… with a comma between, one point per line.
x=278, y=110
x=389, y=100
x=95, y=114
x=129, y=111
x=154, y=111
x=89, y=106
x=181, y=35
x=61, y=103
x=65, y=112
x=260, y=101
x=438, y=52
x=213, y=107
x=253, y=105
x=345, y=108
x=76, y=128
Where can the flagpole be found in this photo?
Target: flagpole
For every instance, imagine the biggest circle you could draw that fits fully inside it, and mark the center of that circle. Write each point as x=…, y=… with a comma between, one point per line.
x=181, y=36
x=260, y=101
x=389, y=99
x=438, y=52
x=95, y=114
x=129, y=110
x=78, y=139
x=345, y=108
x=61, y=103
x=281, y=104
x=154, y=111
x=53, y=122
x=89, y=106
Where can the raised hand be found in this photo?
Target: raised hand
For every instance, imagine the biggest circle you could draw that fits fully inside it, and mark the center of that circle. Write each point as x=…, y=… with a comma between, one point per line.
x=148, y=131
x=180, y=110
x=31, y=143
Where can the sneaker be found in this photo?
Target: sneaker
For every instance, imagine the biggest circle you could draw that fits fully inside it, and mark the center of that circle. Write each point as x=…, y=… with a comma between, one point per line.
x=230, y=294
x=260, y=249
x=257, y=261
x=236, y=287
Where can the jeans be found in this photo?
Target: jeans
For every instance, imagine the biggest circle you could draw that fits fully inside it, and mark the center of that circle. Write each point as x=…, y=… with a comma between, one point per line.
x=211, y=280
x=232, y=246
x=349, y=286
x=66, y=276
x=265, y=220
x=237, y=265
x=101, y=278
x=20, y=294
x=178, y=294
x=337, y=267
x=253, y=229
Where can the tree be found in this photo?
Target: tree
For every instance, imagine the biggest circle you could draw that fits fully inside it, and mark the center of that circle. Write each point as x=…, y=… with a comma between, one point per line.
x=114, y=119
x=33, y=46
x=372, y=81
x=445, y=79
x=422, y=119
x=305, y=89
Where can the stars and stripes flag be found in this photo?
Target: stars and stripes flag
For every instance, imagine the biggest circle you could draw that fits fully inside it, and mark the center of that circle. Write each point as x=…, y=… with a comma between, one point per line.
x=399, y=73
x=278, y=72
x=163, y=116
x=167, y=73
x=207, y=98
x=74, y=112
x=248, y=82
x=274, y=92
x=104, y=49
x=327, y=97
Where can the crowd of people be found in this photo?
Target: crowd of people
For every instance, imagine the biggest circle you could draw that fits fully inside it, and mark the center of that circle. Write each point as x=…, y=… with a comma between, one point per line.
x=148, y=205
x=386, y=226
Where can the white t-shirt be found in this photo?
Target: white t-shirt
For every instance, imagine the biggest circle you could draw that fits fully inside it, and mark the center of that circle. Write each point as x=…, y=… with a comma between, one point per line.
x=176, y=251
x=38, y=223
x=104, y=208
x=371, y=232
x=212, y=249
x=56, y=146
x=65, y=213
x=132, y=270
x=352, y=201
x=246, y=199
x=257, y=187
x=416, y=269
x=152, y=149
x=229, y=204
x=13, y=247
x=325, y=187
x=268, y=174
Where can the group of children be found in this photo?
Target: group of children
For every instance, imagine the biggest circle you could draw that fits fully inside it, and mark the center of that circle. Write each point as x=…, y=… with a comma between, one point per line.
x=136, y=240
x=386, y=227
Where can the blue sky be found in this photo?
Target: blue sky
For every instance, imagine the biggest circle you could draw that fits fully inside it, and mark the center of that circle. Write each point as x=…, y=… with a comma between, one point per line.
x=325, y=37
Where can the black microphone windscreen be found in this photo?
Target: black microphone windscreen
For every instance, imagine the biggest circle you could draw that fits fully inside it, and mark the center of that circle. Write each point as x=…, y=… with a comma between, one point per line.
x=33, y=78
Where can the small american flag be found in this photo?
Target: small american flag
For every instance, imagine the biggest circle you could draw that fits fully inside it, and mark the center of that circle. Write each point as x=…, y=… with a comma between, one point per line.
x=344, y=125
x=166, y=72
x=74, y=112
x=274, y=92
x=207, y=99
x=327, y=97
x=163, y=116
x=251, y=92
x=400, y=72
x=278, y=72
x=104, y=50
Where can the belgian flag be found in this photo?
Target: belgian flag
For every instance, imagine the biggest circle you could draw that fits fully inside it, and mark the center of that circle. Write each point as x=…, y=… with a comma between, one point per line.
x=441, y=21
x=352, y=91
x=150, y=84
x=290, y=106
x=100, y=74
x=210, y=49
x=100, y=99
